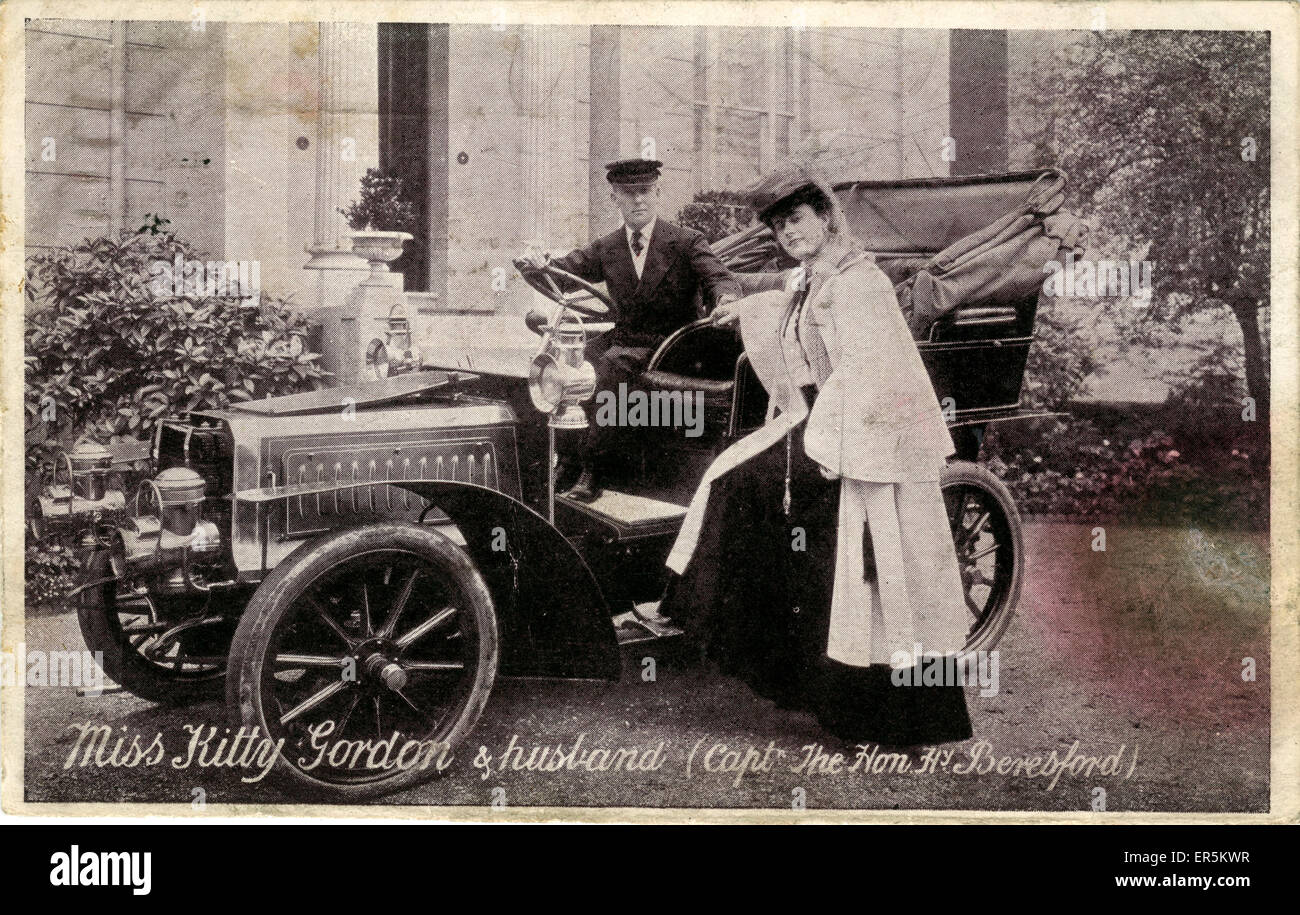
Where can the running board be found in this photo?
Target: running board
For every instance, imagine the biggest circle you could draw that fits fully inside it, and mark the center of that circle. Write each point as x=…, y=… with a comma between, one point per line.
x=618, y=517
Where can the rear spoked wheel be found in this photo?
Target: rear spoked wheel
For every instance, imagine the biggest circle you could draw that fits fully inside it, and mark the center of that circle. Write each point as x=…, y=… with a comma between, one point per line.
x=169, y=649
x=371, y=654
x=990, y=550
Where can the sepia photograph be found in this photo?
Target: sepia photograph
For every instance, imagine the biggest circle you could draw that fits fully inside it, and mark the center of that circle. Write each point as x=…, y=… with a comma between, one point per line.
x=770, y=410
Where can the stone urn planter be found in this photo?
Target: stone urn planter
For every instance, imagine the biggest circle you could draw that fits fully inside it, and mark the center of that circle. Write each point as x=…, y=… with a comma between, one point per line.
x=380, y=249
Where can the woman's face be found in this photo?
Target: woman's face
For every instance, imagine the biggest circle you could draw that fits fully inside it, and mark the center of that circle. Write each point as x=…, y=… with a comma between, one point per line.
x=801, y=232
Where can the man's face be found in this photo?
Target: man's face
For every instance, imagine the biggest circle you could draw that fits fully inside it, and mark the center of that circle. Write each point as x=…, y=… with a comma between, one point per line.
x=638, y=204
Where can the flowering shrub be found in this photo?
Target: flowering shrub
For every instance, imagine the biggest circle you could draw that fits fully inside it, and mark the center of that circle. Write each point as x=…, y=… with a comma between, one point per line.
x=1072, y=468
x=50, y=571
x=1057, y=366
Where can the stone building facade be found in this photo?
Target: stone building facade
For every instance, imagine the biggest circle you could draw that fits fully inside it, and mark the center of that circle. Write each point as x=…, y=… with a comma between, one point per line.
x=249, y=137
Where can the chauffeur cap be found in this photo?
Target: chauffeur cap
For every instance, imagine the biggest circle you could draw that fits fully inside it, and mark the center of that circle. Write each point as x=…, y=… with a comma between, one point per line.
x=633, y=172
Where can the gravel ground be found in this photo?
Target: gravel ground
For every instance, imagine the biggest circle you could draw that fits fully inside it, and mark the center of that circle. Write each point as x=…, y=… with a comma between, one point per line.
x=1126, y=650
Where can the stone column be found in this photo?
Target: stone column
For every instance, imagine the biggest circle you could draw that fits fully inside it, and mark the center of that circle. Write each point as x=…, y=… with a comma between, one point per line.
x=547, y=175
x=347, y=143
x=542, y=55
x=604, y=132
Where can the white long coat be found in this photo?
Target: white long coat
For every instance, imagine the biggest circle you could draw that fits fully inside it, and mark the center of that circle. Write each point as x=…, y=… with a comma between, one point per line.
x=876, y=423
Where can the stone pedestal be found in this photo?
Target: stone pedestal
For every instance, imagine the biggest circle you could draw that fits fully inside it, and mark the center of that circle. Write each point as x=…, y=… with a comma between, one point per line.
x=349, y=327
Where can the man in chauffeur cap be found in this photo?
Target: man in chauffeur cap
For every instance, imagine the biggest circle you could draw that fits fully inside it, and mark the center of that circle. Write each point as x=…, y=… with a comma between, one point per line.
x=652, y=270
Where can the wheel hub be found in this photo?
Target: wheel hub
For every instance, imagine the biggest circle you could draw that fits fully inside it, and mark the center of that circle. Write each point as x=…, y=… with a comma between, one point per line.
x=376, y=659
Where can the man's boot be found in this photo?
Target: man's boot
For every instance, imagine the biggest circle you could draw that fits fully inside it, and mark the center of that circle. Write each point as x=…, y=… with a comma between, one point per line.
x=585, y=490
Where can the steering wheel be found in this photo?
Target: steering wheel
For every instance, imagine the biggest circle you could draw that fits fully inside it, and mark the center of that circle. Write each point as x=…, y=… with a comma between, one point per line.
x=543, y=280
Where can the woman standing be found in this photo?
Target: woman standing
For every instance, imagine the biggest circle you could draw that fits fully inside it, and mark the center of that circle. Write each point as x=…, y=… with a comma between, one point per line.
x=816, y=560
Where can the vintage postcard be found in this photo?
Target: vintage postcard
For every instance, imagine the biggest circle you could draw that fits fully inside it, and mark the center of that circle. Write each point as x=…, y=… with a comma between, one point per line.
x=777, y=411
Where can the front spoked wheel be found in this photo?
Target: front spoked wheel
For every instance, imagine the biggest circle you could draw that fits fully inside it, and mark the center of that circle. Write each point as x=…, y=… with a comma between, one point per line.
x=371, y=653
x=990, y=550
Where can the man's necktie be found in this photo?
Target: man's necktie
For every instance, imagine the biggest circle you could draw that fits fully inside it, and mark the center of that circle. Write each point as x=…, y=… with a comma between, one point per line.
x=637, y=247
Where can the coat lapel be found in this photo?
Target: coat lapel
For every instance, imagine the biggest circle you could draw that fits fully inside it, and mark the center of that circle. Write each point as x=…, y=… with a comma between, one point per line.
x=656, y=260
x=620, y=274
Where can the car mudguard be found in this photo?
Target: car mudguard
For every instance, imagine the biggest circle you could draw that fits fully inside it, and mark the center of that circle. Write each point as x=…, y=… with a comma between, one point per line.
x=554, y=618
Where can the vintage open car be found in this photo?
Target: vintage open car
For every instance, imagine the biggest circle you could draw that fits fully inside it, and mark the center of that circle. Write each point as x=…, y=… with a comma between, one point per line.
x=354, y=564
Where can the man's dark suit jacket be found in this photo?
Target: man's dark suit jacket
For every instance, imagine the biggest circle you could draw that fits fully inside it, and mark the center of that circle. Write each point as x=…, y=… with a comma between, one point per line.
x=678, y=264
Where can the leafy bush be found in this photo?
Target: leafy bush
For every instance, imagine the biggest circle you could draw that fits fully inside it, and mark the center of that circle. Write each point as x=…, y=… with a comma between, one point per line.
x=715, y=214
x=1059, y=363
x=110, y=350
x=383, y=206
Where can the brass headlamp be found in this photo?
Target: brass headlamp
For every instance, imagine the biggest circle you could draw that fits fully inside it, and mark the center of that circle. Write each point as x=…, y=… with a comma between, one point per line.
x=83, y=491
x=559, y=381
x=560, y=378
x=160, y=543
x=89, y=465
x=396, y=354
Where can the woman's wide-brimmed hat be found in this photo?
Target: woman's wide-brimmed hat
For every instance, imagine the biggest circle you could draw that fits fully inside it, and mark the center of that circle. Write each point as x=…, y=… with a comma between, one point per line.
x=775, y=188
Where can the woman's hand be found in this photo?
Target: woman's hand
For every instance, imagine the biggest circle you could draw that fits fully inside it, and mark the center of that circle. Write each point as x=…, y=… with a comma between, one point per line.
x=725, y=313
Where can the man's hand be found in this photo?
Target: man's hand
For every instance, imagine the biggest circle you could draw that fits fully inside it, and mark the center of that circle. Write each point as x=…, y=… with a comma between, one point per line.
x=725, y=312
x=828, y=473
x=535, y=255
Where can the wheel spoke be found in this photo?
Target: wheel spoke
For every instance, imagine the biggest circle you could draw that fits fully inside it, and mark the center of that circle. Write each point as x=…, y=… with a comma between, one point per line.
x=308, y=660
x=386, y=631
x=329, y=621
x=365, y=609
x=379, y=727
x=973, y=557
x=426, y=627
x=343, y=722
x=430, y=720
x=144, y=628
x=205, y=661
x=977, y=610
x=431, y=666
x=313, y=700
x=970, y=533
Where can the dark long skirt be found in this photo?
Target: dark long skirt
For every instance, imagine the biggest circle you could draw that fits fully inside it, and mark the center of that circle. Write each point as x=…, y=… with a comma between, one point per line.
x=761, y=607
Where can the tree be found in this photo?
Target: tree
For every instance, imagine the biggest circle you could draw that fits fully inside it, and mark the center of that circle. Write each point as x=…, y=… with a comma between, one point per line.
x=1165, y=137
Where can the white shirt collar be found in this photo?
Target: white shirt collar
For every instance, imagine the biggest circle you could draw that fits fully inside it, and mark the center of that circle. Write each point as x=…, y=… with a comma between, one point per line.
x=646, y=231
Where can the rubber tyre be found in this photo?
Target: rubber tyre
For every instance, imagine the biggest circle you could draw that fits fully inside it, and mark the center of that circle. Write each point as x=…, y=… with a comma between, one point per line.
x=292, y=578
x=966, y=473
